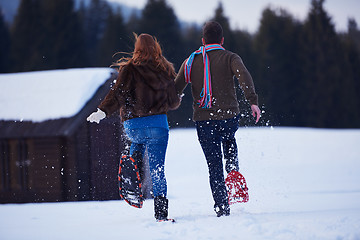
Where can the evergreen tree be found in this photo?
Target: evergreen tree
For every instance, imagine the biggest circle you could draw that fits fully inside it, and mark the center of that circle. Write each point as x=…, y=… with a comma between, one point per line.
x=279, y=73
x=4, y=45
x=327, y=87
x=191, y=36
x=94, y=19
x=353, y=33
x=159, y=20
x=116, y=39
x=351, y=43
x=63, y=46
x=219, y=17
x=133, y=23
x=27, y=37
x=243, y=45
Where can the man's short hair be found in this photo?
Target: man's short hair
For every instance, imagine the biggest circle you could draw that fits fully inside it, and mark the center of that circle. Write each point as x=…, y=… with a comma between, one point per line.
x=212, y=32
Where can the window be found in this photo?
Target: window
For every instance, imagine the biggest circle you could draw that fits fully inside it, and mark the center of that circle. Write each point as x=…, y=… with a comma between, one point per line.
x=4, y=166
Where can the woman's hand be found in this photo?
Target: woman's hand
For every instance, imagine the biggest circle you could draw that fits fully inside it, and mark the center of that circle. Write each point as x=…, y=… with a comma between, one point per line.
x=96, y=116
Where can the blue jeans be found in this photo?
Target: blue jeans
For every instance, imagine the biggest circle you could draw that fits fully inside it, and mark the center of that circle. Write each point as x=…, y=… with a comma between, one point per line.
x=214, y=135
x=155, y=139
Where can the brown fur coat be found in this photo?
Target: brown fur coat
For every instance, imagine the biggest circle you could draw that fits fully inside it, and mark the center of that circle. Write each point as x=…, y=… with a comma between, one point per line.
x=139, y=91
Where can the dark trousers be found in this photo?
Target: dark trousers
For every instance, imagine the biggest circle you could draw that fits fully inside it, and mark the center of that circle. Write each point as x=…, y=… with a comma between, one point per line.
x=215, y=136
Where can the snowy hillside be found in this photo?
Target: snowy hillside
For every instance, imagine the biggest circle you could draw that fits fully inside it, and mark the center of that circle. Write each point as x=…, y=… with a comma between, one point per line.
x=303, y=184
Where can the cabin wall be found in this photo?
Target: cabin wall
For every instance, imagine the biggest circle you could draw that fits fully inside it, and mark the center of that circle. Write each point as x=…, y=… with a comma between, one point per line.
x=75, y=168
x=107, y=143
x=30, y=170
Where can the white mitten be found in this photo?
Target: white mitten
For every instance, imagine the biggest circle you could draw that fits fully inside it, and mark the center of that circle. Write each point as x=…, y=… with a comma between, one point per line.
x=96, y=116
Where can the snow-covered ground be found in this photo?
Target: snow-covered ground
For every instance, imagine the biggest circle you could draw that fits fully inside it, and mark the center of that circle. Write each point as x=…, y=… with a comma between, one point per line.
x=303, y=184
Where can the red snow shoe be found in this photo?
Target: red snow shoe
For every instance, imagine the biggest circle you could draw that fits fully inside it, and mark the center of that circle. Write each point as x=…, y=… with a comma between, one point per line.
x=236, y=187
x=129, y=182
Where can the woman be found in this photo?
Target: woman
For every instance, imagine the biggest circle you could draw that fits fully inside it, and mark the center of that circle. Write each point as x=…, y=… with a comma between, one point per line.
x=144, y=92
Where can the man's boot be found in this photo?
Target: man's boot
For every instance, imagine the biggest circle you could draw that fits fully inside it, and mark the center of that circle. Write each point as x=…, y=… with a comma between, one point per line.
x=222, y=210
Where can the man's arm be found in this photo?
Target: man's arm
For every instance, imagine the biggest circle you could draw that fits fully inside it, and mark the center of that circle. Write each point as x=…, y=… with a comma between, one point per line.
x=180, y=82
x=247, y=85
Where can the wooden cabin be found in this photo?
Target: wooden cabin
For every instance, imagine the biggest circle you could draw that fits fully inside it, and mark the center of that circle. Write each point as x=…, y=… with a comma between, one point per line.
x=48, y=154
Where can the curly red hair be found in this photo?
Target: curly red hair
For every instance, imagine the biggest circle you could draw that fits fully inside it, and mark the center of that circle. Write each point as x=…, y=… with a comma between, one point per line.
x=147, y=49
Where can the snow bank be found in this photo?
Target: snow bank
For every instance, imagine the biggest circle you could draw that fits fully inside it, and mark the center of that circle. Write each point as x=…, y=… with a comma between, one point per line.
x=303, y=183
x=46, y=95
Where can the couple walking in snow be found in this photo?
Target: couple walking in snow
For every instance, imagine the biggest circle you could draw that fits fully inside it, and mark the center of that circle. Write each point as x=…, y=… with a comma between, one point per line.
x=147, y=88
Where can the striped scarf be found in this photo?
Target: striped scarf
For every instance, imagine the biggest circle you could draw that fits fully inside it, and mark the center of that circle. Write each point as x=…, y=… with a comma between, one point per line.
x=206, y=93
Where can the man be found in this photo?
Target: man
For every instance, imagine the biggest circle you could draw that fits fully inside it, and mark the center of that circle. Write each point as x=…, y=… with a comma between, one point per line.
x=211, y=71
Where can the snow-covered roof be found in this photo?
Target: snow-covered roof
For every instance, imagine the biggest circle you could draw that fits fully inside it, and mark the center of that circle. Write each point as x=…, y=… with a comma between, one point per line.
x=48, y=95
